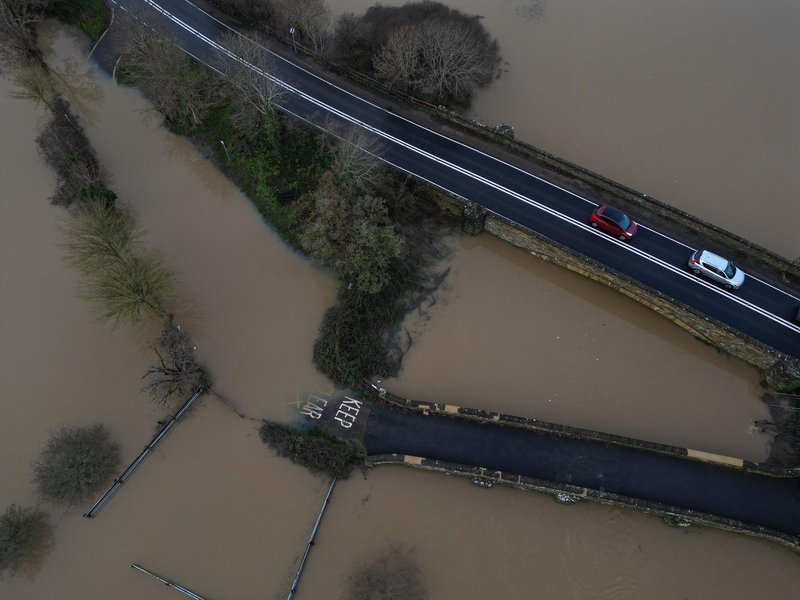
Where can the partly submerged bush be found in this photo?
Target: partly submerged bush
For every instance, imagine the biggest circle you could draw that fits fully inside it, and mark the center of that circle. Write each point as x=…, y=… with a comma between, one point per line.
x=314, y=449
x=25, y=533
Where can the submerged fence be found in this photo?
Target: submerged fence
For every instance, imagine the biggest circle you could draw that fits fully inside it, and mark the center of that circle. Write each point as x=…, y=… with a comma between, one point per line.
x=169, y=583
x=135, y=464
x=310, y=541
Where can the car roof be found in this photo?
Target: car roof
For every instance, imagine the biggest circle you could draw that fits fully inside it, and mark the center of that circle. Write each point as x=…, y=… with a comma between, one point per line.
x=713, y=260
x=612, y=212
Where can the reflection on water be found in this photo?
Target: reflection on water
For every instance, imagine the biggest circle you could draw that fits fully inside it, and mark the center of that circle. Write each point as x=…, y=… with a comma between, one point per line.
x=693, y=103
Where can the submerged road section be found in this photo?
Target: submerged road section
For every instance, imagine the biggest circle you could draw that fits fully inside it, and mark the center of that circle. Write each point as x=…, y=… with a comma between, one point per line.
x=760, y=309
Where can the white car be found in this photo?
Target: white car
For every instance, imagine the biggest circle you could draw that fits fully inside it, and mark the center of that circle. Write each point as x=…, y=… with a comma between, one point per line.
x=717, y=268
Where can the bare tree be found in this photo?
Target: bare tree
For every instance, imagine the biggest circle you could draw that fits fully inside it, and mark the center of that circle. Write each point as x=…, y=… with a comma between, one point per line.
x=179, y=87
x=251, y=76
x=356, y=157
x=311, y=18
x=397, y=62
x=391, y=575
x=177, y=371
x=17, y=36
x=453, y=63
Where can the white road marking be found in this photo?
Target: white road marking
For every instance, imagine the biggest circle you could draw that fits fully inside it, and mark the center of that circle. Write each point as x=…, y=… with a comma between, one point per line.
x=465, y=171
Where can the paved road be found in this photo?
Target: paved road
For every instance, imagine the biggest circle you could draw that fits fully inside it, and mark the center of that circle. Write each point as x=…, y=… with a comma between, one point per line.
x=759, y=308
x=773, y=503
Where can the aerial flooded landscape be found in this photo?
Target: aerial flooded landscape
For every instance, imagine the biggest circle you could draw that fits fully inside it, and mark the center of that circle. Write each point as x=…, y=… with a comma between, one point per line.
x=330, y=299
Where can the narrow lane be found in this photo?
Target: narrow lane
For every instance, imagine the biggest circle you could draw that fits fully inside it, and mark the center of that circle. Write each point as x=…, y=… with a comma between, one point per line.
x=770, y=502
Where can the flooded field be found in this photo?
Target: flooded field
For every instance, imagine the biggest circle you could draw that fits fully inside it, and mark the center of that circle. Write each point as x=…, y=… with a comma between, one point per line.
x=693, y=103
x=213, y=509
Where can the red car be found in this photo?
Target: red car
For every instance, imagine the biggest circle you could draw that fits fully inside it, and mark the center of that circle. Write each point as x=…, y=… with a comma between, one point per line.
x=614, y=222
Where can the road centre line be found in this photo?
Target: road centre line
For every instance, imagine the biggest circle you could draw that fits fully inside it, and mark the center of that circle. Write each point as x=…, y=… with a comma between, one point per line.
x=470, y=174
x=494, y=158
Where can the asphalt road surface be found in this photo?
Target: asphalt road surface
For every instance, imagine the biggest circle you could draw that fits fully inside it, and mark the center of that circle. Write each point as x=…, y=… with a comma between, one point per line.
x=759, y=309
x=770, y=502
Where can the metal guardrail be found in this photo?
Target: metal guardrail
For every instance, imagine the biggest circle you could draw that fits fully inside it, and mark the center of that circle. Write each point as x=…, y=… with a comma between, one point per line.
x=138, y=460
x=169, y=583
x=310, y=541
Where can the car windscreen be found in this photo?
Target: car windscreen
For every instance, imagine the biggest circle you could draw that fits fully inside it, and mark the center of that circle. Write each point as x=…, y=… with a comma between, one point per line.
x=621, y=218
x=730, y=270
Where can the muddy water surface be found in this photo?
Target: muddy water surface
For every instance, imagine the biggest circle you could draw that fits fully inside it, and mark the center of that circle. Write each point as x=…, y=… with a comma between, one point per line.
x=693, y=103
x=211, y=508
x=514, y=334
x=500, y=543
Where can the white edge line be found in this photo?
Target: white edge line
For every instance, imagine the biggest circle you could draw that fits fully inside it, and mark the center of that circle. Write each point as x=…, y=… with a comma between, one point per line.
x=457, y=168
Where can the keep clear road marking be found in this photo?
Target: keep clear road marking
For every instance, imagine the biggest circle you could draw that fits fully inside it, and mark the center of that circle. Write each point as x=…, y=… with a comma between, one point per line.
x=344, y=116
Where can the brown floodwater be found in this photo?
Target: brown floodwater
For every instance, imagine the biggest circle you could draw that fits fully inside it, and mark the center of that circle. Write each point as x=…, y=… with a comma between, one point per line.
x=514, y=334
x=501, y=543
x=694, y=103
x=211, y=508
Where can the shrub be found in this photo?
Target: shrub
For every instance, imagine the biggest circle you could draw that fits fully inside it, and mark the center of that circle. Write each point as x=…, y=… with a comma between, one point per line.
x=25, y=534
x=74, y=464
x=125, y=282
x=352, y=232
x=315, y=450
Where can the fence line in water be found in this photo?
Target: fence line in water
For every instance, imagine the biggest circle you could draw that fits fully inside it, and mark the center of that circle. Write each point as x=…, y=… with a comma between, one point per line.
x=310, y=541
x=168, y=582
x=133, y=466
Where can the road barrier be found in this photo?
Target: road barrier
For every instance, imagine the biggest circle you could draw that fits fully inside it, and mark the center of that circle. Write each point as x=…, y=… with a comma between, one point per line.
x=134, y=465
x=168, y=583
x=310, y=541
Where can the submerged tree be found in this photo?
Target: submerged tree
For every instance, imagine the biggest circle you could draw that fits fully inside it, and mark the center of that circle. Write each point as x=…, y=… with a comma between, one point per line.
x=74, y=464
x=25, y=535
x=177, y=371
x=391, y=575
x=64, y=146
x=125, y=282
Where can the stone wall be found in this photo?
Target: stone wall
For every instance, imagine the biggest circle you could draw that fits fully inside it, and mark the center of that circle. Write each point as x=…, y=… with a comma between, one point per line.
x=700, y=326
